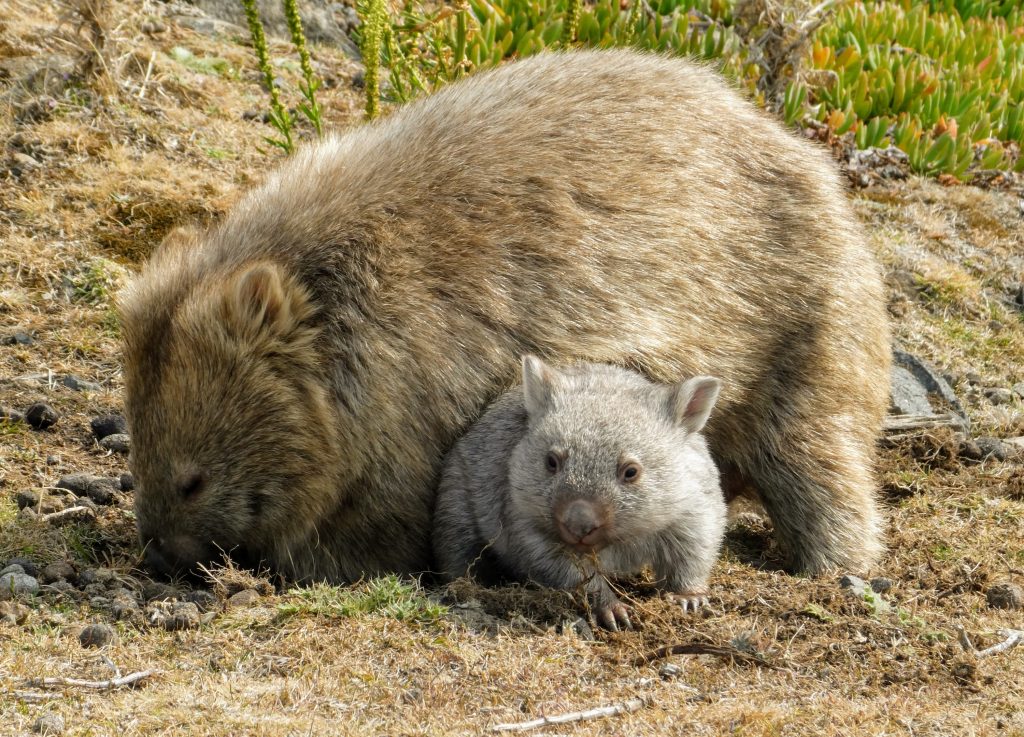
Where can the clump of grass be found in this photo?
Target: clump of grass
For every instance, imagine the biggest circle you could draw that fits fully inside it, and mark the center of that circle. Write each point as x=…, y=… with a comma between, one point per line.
x=389, y=596
x=96, y=281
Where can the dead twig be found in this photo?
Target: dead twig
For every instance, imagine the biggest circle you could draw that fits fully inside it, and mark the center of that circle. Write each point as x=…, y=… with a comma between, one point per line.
x=1013, y=638
x=625, y=707
x=902, y=423
x=66, y=513
x=129, y=680
x=697, y=648
x=35, y=697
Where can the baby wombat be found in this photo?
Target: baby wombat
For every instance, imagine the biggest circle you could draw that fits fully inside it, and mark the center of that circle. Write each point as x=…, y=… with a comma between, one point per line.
x=582, y=472
x=295, y=375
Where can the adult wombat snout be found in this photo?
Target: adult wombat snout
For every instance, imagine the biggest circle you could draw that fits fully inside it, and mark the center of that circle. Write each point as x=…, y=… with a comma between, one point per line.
x=295, y=374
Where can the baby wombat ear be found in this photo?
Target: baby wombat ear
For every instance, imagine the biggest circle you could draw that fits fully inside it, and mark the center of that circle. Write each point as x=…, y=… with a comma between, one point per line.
x=262, y=300
x=538, y=384
x=690, y=401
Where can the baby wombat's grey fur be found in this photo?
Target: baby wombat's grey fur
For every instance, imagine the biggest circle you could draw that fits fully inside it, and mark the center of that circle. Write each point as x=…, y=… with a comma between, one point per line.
x=583, y=472
x=295, y=375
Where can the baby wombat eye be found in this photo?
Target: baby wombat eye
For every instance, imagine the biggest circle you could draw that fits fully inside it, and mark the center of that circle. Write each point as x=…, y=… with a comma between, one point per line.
x=553, y=462
x=191, y=485
x=629, y=472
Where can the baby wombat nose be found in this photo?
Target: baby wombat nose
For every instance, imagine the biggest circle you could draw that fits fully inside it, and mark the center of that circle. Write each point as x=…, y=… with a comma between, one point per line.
x=583, y=523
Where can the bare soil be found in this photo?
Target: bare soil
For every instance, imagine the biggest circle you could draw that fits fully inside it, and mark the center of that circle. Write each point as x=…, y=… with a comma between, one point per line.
x=108, y=145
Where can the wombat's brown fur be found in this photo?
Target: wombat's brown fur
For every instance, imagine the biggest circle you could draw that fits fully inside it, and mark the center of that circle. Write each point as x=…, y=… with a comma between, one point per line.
x=584, y=472
x=295, y=376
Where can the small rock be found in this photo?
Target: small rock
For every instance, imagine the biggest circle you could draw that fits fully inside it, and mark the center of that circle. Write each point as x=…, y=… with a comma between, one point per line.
x=907, y=395
x=118, y=443
x=854, y=584
x=153, y=27
x=52, y=503
x=668, y=671
x=79, y=385
x=63, y=587
x=10, y=415
x=12, y=568
x=52, y=724
x=1005, y=596
x=24, y=161
x=52, y=460
x=27, y=565
x=998, y=395
x=18, y=338
x=11, y=612
x=123, y=606
x=203, y=599
x=172, y=615
x=13, y=585
x=880, y=585
x=127, y=482
x=105, y=576
x=980, y=449
x=60, y=570
x=156, y=591
x=41, y=416
x=108, y=425
x=98, y=489
x=243, y=598
x=26, y=498
x=93, y=589
x=1018, y=389
x=86, y=577
x=96, y=635
x=100, y=603
x=973, y=378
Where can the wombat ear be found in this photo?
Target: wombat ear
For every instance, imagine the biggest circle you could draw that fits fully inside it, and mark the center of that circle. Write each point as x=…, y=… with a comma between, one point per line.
x=691, y=401
x=263, y=300
x=538, y=382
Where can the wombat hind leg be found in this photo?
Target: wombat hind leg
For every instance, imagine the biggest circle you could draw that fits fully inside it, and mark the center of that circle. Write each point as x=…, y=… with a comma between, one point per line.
x=819, y=492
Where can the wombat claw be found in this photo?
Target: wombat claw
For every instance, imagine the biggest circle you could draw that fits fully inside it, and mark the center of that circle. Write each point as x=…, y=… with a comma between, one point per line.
x=614, y=617
x=689, y=601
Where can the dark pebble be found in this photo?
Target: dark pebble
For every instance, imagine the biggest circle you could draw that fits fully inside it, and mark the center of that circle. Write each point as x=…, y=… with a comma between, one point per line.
x=973, y=378
x=79, y=385
x=156, y=591
x=57, y=571
x=86, y=577
x=26, y=565
x=127, y=482
x=1005, y=596
x=41, y=416
x=18, y=338
x=118, y=443
x=994, y=448
x=108, y=425
x=98, y=489
x=998, y=395
x=204, y=600
x=880, y=585
x=27, y=498
x=96, y=635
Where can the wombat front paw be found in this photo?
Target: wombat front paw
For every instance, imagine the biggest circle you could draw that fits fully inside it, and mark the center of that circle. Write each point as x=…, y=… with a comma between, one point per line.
x=614, y=616
x=690, y=600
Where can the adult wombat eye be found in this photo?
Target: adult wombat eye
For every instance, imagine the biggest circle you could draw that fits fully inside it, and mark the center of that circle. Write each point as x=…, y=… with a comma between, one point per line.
x=629, y=472
x=191, y=485
x=552, y=462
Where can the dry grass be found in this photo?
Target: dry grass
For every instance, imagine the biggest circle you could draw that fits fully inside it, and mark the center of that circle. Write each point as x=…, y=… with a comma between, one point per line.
x=157, y=143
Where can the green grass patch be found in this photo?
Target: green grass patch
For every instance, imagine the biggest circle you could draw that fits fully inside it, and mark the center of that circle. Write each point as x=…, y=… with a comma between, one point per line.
x=389, y=596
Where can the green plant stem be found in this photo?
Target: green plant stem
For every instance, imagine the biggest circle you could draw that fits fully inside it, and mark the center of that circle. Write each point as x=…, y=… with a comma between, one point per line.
x=279, y=117
x=312, y=109
x=374, y=17
x=572, y=22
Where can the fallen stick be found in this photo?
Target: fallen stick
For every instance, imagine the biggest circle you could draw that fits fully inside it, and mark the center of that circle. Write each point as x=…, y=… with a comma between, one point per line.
x=34, y=697
x=626, y=707
x=69, y=512
x=902, y=423
x=696, y=648
x=129, y=680
x=1013, y=638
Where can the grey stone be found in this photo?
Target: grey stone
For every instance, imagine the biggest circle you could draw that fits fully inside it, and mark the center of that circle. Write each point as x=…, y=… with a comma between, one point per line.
x=907, y=395
x=172, y=615
x=96, y=635
x=13, y=568
x=26, y=563
x=248, y=597
x=127, y=482
x=105, y=425
x=51, y=724
x=854, y=584
x=998, y=395
x=18, y=338
x=118, y=442
x=26, y=498
x=880, y=585
x=13, y=585
x=80, y=385
x=203, y=599
x=98, y=489
x=1018, y=389
x=932, y=381
x=57, y=571
x=1005, y=596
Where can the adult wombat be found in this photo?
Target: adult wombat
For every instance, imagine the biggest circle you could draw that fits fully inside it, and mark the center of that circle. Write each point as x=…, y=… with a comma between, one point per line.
x=295, y=375
x=581, y=473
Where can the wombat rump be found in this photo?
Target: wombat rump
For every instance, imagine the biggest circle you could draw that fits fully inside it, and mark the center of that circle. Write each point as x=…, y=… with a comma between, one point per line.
x=295, y=375
x=582, y=473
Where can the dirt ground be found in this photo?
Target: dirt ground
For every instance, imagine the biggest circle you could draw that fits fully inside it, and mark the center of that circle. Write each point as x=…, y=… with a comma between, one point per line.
x=112, y=138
